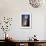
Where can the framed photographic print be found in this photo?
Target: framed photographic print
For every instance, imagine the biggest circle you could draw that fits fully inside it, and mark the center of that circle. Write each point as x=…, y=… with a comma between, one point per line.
x=26, y=20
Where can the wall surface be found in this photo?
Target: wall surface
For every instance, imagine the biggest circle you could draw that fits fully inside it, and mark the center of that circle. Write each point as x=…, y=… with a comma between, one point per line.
x=13, y=8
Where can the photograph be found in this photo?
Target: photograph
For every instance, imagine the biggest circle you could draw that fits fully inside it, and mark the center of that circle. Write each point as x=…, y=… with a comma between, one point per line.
x=25, y=20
